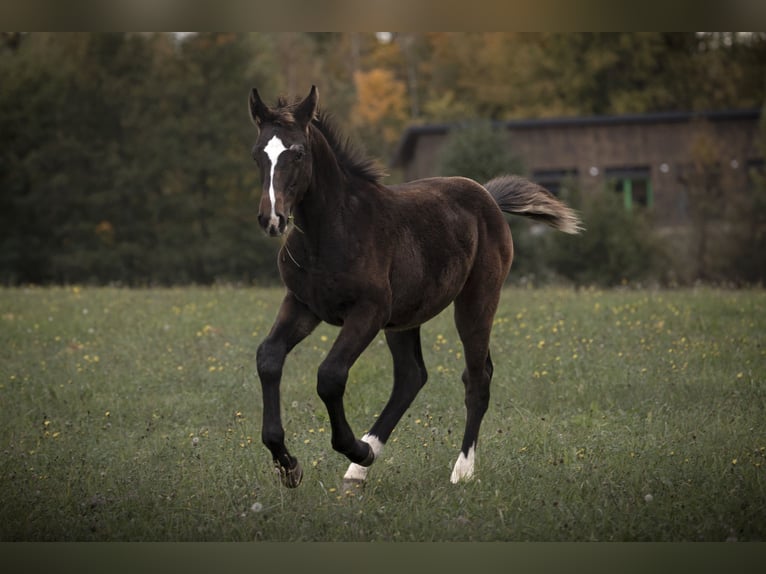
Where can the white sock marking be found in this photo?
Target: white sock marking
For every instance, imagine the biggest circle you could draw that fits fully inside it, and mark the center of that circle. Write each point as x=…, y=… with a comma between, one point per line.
x=357, y=471
x=273, y=149
x=464, y=466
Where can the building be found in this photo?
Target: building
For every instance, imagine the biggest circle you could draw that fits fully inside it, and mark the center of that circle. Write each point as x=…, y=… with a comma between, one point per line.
x=645, y=157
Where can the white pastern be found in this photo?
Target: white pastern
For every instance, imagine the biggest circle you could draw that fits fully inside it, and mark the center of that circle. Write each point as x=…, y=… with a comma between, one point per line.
x=273, y=150
x=357, y=471
x=463, y=470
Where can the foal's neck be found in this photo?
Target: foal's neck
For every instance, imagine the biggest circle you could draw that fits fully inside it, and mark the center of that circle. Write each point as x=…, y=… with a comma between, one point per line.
x=319, y=214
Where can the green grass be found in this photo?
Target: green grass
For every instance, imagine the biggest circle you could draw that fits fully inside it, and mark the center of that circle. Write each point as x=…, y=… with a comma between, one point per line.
x=135, y=415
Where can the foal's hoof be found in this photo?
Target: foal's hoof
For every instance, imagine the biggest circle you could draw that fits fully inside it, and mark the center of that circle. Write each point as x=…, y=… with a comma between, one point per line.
x=291, y=477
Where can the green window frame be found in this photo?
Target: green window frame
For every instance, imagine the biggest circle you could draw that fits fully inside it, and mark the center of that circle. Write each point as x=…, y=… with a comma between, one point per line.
x=634, y=184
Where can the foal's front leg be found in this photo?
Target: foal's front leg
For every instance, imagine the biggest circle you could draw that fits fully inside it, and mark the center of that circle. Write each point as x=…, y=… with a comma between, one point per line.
x=358, y=331
x=293, y=324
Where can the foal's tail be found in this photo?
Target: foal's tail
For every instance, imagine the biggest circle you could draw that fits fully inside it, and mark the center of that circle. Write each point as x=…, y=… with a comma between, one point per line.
x=520, y=196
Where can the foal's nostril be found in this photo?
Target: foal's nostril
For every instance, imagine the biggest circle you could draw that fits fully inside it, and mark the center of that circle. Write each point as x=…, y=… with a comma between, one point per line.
x=273, y=224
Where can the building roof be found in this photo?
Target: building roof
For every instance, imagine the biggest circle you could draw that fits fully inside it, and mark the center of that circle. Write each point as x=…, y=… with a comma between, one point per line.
x=406, y=145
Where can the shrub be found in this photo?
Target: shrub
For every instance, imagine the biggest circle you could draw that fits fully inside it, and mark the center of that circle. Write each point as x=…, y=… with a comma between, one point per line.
x=618, y=246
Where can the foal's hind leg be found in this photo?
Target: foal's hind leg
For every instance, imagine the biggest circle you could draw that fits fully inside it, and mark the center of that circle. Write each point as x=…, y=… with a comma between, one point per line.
x=473, y=318
x=409, y=377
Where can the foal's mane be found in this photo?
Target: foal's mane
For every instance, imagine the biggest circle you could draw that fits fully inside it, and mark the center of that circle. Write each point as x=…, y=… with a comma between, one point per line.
x=352, y=160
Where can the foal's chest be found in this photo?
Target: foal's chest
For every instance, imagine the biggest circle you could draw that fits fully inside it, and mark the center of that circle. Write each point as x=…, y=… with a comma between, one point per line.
x=329, y=294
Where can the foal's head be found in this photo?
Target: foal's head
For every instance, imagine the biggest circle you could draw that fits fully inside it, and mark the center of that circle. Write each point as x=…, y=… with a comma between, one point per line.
x=283, y=156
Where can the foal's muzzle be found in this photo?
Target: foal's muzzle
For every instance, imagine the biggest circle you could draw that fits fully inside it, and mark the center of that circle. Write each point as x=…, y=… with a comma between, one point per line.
x=273, y=225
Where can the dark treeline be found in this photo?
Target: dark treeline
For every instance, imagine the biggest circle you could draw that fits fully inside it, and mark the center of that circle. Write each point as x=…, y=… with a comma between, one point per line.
x=125, y=160
x=126, y=157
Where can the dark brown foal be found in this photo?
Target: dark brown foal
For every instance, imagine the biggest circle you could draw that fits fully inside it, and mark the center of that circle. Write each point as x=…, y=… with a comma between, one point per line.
x=367, y=257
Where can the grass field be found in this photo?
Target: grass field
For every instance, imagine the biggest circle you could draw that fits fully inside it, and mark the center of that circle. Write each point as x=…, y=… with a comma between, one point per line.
x=615, y=415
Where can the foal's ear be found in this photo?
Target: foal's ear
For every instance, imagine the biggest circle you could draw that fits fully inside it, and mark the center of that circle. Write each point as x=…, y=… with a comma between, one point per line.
x=259, y=111
x=307, y=109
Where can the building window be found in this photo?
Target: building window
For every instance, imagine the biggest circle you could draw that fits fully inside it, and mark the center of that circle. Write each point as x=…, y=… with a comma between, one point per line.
x=557, y=181
x=633, y=183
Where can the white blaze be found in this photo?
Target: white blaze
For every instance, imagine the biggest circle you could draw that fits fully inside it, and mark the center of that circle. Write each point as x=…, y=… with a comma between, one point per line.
x=464, y=466
x=357, y=471
x=273, y=150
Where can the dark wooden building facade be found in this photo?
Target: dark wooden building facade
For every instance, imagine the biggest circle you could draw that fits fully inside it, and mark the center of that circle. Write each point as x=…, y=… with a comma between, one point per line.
x=644, y=157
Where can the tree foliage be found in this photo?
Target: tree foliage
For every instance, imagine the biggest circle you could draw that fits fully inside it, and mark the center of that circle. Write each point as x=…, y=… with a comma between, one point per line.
x=126, y=157
x=478, y=150
x=132, y=169
x=380, y=110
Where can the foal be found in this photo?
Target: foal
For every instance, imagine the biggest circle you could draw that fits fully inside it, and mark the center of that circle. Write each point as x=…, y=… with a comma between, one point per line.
x=365, y=257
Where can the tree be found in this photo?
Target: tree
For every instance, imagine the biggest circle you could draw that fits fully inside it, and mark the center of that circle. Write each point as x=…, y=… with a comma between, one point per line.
x=380, y=111
x=61, y=132
x=478, y=150
x=744, y=251
x=128, y=160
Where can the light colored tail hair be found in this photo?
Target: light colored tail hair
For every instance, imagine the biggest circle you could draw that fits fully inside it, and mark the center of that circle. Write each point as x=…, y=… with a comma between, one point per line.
x=520, y=196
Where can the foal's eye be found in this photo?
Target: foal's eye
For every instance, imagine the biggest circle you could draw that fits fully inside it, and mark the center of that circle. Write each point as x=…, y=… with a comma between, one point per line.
x=300, y=152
